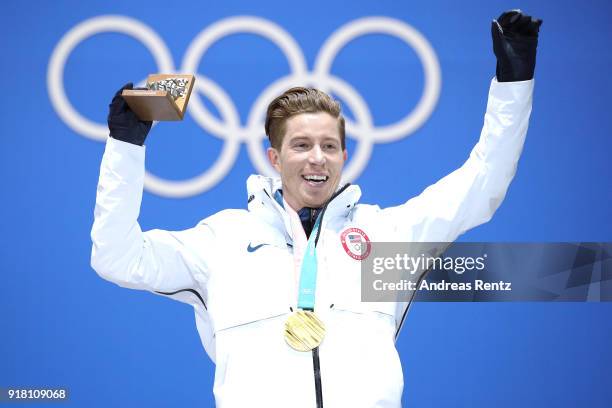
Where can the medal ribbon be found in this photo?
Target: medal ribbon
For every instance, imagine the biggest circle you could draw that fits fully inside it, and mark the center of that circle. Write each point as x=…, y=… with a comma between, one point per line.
x=308, y=273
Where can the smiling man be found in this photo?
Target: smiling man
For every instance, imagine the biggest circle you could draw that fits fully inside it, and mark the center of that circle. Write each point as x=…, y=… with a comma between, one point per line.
x=276, y=288
x=308, y=149
x=311, y=155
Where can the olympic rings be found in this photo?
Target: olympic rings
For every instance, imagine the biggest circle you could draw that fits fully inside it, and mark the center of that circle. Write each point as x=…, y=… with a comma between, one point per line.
x=229, y=128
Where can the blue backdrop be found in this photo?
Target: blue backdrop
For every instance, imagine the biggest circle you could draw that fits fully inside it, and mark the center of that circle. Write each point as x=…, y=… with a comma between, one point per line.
x=61, y=325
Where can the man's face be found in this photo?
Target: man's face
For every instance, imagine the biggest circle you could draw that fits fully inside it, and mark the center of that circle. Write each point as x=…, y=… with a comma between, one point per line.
x=310, y=159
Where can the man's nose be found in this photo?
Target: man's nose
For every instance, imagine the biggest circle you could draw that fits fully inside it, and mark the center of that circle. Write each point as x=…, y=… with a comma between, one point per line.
x=316, y=155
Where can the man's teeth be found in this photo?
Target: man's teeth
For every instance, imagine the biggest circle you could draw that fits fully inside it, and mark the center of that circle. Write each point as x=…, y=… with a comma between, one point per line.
x=316, y=178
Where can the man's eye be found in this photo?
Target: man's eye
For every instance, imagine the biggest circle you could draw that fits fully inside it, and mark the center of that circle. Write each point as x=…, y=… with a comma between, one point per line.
x=301, y=146
x=330, y=147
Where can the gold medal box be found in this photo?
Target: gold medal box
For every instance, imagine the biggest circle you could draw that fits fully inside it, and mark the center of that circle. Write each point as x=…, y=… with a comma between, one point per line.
x=165, y=98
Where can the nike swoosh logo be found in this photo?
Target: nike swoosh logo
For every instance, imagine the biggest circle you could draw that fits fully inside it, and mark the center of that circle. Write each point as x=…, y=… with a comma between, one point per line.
x=254, y=248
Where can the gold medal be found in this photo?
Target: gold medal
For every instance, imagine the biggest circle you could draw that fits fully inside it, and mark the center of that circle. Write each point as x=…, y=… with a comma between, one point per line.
x=304, y=330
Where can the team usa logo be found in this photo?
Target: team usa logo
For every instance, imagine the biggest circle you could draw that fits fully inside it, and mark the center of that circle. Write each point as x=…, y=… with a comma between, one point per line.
x=356, y=243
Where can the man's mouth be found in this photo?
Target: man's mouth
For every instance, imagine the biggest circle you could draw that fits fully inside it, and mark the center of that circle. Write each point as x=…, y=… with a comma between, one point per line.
x=315, y=179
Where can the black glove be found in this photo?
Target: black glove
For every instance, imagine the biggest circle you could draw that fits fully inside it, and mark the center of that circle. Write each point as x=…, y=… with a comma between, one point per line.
x=123, y=123
x=515, y=39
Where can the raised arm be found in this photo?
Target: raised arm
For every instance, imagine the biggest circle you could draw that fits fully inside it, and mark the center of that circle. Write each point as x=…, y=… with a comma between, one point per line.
x=470, y=195
x=161, y=261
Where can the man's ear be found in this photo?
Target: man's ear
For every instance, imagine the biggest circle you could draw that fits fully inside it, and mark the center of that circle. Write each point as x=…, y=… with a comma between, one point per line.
x=344, y=155
x=274, y=158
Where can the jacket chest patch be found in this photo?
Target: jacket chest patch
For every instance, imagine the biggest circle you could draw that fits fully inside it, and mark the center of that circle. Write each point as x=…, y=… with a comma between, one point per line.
x=356, y=243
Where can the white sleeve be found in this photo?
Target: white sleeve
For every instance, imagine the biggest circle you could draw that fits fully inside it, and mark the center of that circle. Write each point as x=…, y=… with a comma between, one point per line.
x=471, y=194
x=161, y=261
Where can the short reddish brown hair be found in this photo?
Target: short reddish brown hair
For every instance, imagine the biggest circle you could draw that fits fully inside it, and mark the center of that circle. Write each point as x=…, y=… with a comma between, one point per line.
x=300, y=100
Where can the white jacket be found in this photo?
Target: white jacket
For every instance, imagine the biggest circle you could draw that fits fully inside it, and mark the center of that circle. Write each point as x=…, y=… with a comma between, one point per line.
x=242, y=291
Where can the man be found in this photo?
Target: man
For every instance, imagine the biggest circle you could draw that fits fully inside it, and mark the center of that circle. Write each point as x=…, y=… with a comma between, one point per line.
x=276, y=289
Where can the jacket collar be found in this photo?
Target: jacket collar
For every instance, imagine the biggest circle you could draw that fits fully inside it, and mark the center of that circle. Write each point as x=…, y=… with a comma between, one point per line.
x=262, y=203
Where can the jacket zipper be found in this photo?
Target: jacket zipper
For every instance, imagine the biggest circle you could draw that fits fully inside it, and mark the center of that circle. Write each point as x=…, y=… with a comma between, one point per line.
x=317, y=376
x=316, y=363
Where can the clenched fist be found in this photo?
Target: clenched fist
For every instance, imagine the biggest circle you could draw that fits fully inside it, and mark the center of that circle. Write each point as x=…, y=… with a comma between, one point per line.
x=515, y=39
x=123, y=123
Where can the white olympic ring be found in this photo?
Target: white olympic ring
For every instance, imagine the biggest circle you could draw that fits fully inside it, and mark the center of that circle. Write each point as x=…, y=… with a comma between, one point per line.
x=229, y=128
